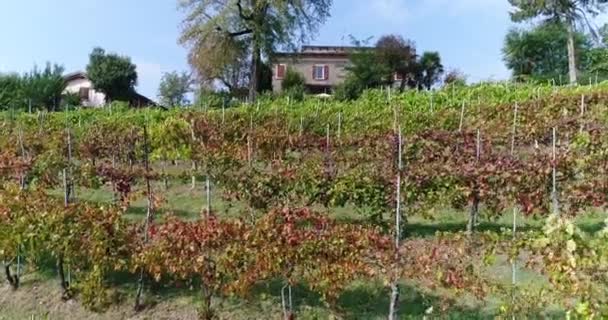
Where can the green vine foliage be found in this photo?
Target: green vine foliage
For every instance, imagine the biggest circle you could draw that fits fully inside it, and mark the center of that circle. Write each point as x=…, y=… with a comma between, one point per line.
x=283, y=161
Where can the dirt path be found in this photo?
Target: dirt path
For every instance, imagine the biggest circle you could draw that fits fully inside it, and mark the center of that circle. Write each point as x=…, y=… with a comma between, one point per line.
x=42, y=300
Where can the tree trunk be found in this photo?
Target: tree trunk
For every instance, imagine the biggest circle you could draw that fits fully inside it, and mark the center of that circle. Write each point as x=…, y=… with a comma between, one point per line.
x=402, y=84
x=12, y=280
x=206, y=312
x=256, y=60
x=65, y=286
x=571, y=55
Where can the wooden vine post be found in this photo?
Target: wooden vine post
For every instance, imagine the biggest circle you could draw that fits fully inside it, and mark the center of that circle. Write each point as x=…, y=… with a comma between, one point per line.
x=474, y=211
x=68, y=190
x=514, y=130
x=515, y=209
x=194, y=164
x=223, y=112
x=460, y=126
x=22, y=178
x=327, y=141
x=208, y=196
x=287, y=302
x=394, y=299
x=582, y=121
x=554, y=198
x=339, y=134
x=149, y=218
x=250, y=141
x=14, y=280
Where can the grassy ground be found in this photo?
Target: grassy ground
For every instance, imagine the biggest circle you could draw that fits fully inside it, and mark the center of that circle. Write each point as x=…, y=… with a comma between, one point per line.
x=39, y=297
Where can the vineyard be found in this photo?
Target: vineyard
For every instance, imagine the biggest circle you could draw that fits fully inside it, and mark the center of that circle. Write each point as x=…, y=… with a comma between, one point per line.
x=317, y=199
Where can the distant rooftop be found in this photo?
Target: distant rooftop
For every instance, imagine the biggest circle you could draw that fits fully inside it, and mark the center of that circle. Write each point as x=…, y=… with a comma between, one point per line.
x=314, y=51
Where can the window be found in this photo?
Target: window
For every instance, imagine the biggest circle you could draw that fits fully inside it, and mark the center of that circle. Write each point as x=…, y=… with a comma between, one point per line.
x=398, y=76
x=280, y=74
x=83, y=93
x=320, y=72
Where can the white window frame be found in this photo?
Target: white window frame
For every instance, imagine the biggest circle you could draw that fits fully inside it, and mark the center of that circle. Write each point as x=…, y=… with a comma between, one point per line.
x=276, y=73
x=323, y=75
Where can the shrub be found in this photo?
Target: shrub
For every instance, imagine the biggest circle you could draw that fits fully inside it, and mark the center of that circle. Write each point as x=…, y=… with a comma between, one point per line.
x=294, y=85
x=293, y=79
x=213, y=99
x=70, y=99
x=349, y=90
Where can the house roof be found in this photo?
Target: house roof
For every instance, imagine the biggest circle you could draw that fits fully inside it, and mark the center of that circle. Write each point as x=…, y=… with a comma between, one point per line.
x=321, y=52
x=74, y=76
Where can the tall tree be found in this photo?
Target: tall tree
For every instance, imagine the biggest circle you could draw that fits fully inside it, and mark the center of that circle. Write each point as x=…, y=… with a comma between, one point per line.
x=173, y=88
x=222, y=59
x=430, y=69
x=43, y=88
x=399, y=56
x=541, y=53
x=112, y=74
x=366, y=69
x=227, y=28
x=454, y=77
x=11, y=91
x=570, y=13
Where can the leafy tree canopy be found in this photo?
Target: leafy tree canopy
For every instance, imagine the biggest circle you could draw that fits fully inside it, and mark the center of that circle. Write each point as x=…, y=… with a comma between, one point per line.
x=234, y=33
x=392, y=55
x=11, y=93
x=569, y=13
x=174, y=87
x=39, y=88
x=112, y=74
x=540, y=54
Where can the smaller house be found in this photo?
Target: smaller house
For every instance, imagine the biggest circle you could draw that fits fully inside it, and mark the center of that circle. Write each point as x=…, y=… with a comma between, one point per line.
x=78, y=83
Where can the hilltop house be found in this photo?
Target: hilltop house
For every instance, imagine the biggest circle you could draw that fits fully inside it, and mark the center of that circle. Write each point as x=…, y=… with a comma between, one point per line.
x=79, y=83
x=323, y=67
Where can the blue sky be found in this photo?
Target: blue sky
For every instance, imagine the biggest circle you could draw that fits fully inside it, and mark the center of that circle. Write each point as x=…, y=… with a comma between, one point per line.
x=467, y=33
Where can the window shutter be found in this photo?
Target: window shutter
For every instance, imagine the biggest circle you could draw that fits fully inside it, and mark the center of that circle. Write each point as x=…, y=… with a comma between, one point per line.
x=326, y=72
x=280, y=71
x=313, y=72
